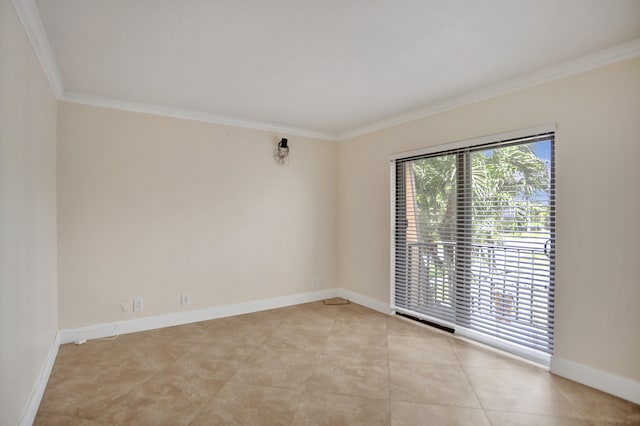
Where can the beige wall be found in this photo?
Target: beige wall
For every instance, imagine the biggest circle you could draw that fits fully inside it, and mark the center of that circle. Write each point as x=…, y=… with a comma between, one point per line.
x=598, y=225
x=152, y=206
x=28, y=300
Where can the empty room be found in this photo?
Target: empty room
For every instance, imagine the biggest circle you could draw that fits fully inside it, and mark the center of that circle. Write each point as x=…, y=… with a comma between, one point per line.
x=219, y=212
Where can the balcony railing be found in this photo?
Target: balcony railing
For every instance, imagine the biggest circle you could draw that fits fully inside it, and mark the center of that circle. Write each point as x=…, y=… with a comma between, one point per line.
x=499, y=283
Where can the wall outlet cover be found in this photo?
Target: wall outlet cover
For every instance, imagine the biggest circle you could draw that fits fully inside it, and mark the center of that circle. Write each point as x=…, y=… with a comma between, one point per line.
x=185, y=299
x=138, y=304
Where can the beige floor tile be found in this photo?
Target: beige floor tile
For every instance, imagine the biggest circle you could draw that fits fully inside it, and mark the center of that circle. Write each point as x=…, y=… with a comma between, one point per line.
x=505, y=418
x=311, y=319
x=434, y=349
x=411, y=414
x=358, y=312
x=310, y=364
x=225, y=350
x=431, y=383
x=99, y=351
x=343, y=326
x=65, y=374
x=92, y=353
x=238, y=333
x=240, y=404
x=198, y=363
x=350, y=376
x=279, y=369
x=351, y=344
x=318, y=307
x=355, y=318
x=62, y=420
x=294, y=339
x=359, y=322
x=184, y=333
x=405, y=327
x=269, y=319
x=352, y=307
x=596, y=405
x=333, y=410
x=164, y=399
x=518, y=391
x=470, y=355
x=152, y=354
x=86, y=391
x=145, y=351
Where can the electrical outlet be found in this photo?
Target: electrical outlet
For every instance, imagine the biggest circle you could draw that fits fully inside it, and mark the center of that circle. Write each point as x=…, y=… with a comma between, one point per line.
x=315, y=282
x=138, y=304
x=186, y=299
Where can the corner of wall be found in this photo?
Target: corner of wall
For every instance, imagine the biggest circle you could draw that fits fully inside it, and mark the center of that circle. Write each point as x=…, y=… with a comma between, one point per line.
x=31, y=408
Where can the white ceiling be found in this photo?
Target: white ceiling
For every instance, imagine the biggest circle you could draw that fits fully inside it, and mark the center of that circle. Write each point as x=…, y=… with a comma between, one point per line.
x=330, y=67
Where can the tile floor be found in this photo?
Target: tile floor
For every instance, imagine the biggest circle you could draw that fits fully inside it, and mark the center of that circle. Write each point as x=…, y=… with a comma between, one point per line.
x=311, y=364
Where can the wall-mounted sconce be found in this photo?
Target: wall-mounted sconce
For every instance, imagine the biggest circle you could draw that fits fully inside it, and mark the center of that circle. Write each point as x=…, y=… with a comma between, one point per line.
x=281, y=153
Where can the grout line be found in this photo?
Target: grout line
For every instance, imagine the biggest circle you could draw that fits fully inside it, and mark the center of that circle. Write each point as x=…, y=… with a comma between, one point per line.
x=567, y=398
x=315, y=367
x=229, y=380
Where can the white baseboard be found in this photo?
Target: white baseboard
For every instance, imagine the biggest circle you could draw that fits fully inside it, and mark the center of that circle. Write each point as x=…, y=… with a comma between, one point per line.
x=613, y=384
x=365, y=301
x=31, y=409
x=179, y=318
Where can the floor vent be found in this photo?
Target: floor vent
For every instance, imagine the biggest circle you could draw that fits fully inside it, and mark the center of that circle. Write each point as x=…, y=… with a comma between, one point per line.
x=429, y=323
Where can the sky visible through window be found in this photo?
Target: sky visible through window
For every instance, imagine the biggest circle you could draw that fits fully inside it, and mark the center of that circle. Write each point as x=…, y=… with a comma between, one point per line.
x=542, y=151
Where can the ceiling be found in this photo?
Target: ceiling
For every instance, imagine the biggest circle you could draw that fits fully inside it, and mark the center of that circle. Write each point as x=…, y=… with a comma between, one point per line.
x=326, y=68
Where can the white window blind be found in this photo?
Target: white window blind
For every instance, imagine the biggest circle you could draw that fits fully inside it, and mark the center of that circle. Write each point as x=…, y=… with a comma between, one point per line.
x=474, y=240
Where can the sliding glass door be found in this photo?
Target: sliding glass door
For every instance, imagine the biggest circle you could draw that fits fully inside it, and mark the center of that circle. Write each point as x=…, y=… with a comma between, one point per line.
x=474, y=239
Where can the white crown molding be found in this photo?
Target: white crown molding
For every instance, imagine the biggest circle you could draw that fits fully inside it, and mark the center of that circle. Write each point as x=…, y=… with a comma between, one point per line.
x=577, y=66
x=127, y=105
x=28, y=14
x=583, y=64
x=31, y=408
x=30, y=18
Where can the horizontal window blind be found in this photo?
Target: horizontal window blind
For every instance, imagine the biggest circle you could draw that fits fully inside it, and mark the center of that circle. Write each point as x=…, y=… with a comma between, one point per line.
x=473, y=234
